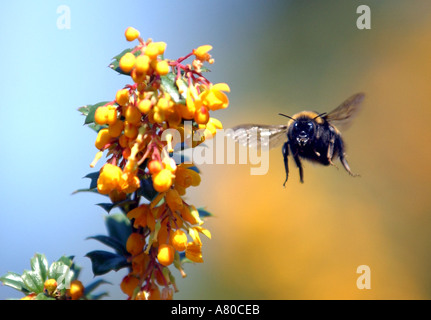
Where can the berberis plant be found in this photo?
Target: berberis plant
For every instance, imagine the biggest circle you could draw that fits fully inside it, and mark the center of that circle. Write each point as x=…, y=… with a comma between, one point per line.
x=145, y=177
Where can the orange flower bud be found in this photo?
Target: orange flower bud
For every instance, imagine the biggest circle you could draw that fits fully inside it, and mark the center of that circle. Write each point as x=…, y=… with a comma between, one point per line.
x=166, y=254
x=131, y=34
x=76, y=290
x=178, y=240
x=132, y=115
x=162, y=67
x=103, y=138
x=127, y=62
x=162, y=181
x=135, y=243
x=116, y=129
x=144, y=106
x=129, y=284
x=142, y=64
x=122, y=97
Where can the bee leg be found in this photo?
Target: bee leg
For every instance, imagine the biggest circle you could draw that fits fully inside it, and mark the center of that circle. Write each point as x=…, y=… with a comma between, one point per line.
x=285, y=151
x=343, y=157
x=299, y=165
x=330, y=153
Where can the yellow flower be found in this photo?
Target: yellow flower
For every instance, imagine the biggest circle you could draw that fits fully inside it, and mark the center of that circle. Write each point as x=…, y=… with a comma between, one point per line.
x=140, y=263
x=106, y=115
x=122, y=97
x=166, y=254
x=109, y=178
x=162, y=180
x=191, y=215
x=202, y=115
x=162, y=67
x=178, y=240
x=174, y=200
x=129, y=284
x=185, y=177
x=211, y=128
x=131, y=34
x=154, y=49
x=140, y=215
x=202, y=54
x=135, y=243
x=194, y=252
x=214, y=98
x=127, y=62
x=102, y=139
x=50, y=285
x=142, y=64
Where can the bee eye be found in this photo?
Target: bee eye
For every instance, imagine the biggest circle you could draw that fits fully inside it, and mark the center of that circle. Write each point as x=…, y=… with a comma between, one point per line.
x=310, y=125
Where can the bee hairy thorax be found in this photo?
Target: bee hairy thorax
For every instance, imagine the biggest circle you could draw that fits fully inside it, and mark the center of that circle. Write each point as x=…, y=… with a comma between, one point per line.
x=310, y=138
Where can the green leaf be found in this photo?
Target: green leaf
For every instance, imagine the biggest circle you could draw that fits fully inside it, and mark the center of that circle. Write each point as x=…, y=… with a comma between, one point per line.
x=90, y=110
x=169, y=86
x=204, y=213
x=95, y=284
x=14, y=280
x=112, y=243
x=147, y=189
x=115, y=64
x=42, y=296
x=93, y=176
x=39, y=264
x=94, y=190
x=33, y=281
x=61, y=272
x=68, y=261
x=97, y=127
x=119, y=227
x=106, y=206
x=103, y=261
x=109, y=206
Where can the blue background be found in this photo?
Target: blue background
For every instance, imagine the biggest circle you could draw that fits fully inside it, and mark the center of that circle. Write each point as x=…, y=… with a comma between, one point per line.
x=304, y=241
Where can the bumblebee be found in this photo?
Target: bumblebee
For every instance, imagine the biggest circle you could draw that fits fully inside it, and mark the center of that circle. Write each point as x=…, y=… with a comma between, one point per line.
x=310, y=135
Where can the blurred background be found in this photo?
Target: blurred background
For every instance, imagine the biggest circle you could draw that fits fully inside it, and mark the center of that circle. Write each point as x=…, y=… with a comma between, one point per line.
x=304, y=241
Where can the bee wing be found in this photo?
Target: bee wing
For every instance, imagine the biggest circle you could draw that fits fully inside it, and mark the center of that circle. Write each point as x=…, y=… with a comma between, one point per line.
x=342, y=115
x=258, y=135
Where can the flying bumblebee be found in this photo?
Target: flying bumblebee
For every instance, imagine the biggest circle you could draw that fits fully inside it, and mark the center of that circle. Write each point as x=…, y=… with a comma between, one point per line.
x=310, y=135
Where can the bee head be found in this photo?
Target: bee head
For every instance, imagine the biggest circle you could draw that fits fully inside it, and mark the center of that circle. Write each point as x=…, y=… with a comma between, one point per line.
x=302, y=126
x=303, y=131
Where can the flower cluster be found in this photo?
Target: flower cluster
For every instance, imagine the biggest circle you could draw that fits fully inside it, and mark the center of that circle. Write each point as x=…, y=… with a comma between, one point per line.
x=132, y=130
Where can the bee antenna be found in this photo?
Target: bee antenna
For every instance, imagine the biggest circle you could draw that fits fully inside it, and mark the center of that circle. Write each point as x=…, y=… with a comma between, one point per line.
x=280, y=114
x=320, y=115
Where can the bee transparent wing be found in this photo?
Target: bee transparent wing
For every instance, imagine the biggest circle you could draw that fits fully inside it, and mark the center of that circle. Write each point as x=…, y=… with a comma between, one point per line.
x=342, y=116
x=258, y=135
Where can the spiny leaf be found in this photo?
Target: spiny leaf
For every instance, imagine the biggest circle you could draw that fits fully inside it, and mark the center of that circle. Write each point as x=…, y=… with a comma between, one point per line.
x=112, y=243
x=147, y=189
x=103, y=261
x=204, y=213
x=93, y=285
x=119, y=227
